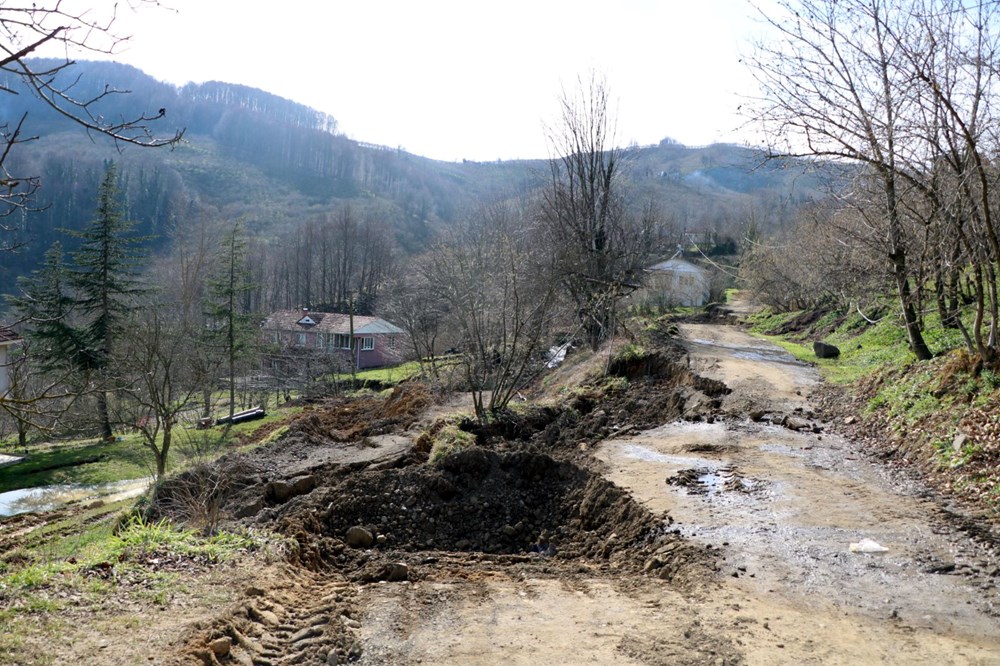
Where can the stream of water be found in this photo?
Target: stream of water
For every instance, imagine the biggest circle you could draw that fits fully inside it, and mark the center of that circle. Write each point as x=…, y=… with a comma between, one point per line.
x=48, y=498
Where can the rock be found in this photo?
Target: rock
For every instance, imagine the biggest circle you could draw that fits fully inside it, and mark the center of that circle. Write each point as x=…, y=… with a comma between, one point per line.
x=823, y=350
x=333, y=658
x=282, y=491
x=795, y=423
x=303, y=484
x=757, y=415
x=959, y=441
x=397, y=572
x=251, y=509
x=263, y=616
x=278, y=491
x=848, y=420
x=221, y=646
x=359, y=537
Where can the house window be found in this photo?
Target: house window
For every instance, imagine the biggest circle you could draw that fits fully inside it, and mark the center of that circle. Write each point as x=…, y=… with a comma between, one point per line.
x=367, y=344
x=341, y=341
x=392, y=342
x=302, y=338
x=319, y=340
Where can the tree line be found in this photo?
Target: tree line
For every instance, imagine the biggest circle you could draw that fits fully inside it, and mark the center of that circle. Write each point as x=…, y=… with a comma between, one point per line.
x=904, y=91
x=150, y=348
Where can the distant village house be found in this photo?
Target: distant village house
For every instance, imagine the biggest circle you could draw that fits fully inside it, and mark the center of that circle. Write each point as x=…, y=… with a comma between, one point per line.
x=677, y=282
x=376, y=342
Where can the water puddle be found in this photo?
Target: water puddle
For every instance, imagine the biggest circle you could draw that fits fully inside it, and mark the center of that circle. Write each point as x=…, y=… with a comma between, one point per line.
x=639, y=452
x=47, y=498
x=764, y=354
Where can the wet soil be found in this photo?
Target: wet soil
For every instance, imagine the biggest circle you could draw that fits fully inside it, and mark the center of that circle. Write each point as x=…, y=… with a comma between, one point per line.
x=704, y=514
x=786, y=504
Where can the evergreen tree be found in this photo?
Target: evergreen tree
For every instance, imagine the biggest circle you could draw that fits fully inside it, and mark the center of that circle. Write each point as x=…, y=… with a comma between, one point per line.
x=227, y=311
x=45, y=306
x=105, y=279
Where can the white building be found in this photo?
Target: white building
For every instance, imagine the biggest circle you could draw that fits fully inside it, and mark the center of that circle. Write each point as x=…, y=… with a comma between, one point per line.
x=677, y=282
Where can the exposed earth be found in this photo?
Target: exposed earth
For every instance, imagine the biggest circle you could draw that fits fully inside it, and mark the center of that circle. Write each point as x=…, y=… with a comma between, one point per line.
x=703, y=512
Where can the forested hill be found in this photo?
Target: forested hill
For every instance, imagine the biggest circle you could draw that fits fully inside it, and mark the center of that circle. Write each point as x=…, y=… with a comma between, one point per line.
x=276, y=163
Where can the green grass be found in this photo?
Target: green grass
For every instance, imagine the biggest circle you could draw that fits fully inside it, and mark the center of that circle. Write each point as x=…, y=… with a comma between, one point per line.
x=396, y=373
x=94, y=461
x=88, y=461
x=450, y=439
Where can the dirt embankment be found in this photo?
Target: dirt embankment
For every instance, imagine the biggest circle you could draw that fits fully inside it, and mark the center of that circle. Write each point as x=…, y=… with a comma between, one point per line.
x=363, y=506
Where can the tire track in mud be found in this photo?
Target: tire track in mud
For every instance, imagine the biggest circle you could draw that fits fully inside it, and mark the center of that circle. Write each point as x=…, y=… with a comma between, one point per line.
x=306, y=618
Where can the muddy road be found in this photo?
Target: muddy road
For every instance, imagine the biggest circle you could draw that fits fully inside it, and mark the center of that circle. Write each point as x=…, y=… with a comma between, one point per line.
x=779, y=500
x=738, y=538
x=785, y=503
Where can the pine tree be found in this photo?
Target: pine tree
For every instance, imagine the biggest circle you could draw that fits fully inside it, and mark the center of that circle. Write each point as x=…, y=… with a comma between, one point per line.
x=45, y=306
x=105, y=279
x=231, y=323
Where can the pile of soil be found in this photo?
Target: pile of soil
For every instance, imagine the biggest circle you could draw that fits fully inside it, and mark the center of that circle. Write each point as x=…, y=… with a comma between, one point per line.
x=493, y=502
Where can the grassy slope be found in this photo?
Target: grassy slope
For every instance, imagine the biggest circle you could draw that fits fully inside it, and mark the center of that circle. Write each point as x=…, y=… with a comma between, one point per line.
x=92, y=461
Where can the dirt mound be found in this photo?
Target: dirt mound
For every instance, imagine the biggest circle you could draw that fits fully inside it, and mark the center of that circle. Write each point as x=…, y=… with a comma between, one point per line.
x=477, y=500
x=347, y=419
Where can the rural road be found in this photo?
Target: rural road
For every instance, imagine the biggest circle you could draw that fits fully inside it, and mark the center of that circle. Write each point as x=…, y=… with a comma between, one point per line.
x=785, y=505
x=781, y=506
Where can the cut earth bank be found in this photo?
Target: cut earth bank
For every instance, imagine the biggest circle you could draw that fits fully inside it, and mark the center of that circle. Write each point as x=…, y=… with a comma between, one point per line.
x=701, y=512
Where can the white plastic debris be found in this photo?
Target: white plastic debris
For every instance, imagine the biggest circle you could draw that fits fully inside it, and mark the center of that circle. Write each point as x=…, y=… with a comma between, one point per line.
x=556, y=355
x=869, y=546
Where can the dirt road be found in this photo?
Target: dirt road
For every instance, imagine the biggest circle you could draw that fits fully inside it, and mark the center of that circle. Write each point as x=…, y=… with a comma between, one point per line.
x=722, y=541
x=782, y=507
x=785, y=505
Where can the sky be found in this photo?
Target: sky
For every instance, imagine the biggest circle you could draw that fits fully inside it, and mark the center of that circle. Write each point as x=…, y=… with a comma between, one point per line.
x=457, y=80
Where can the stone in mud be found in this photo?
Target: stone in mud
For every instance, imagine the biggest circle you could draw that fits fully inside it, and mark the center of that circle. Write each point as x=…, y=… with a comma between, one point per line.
x=221, y=646
x=282, y=491
x=263, y=616
x=823, y=350
x=359, y=537
x=795, y=423
x=397, y=572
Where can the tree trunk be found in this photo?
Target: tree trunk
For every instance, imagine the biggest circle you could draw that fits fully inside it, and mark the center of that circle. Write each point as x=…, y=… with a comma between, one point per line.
x=161, y=456
x=102, y=414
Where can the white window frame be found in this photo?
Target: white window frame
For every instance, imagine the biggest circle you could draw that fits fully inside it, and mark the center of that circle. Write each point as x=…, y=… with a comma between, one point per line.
x=367, y=343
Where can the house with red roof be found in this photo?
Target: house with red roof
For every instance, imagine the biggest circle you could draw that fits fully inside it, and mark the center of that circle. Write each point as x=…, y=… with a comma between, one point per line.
x=371, y=342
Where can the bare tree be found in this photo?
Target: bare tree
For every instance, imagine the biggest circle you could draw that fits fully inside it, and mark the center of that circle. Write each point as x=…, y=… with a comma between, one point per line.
x=29, y=28
x=599, y=245
x=419, y=307
x=834, y=85
x=904, y=88
x=499, y=294
x=157, y=376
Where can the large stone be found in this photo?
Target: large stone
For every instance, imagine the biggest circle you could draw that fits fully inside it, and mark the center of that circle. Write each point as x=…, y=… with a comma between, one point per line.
x=221, y=646
x=359, y=537
x=282, y=491
x=823, y=350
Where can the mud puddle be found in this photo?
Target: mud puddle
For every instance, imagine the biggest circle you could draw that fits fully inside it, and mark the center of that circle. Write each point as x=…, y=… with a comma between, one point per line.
x=790, y=578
